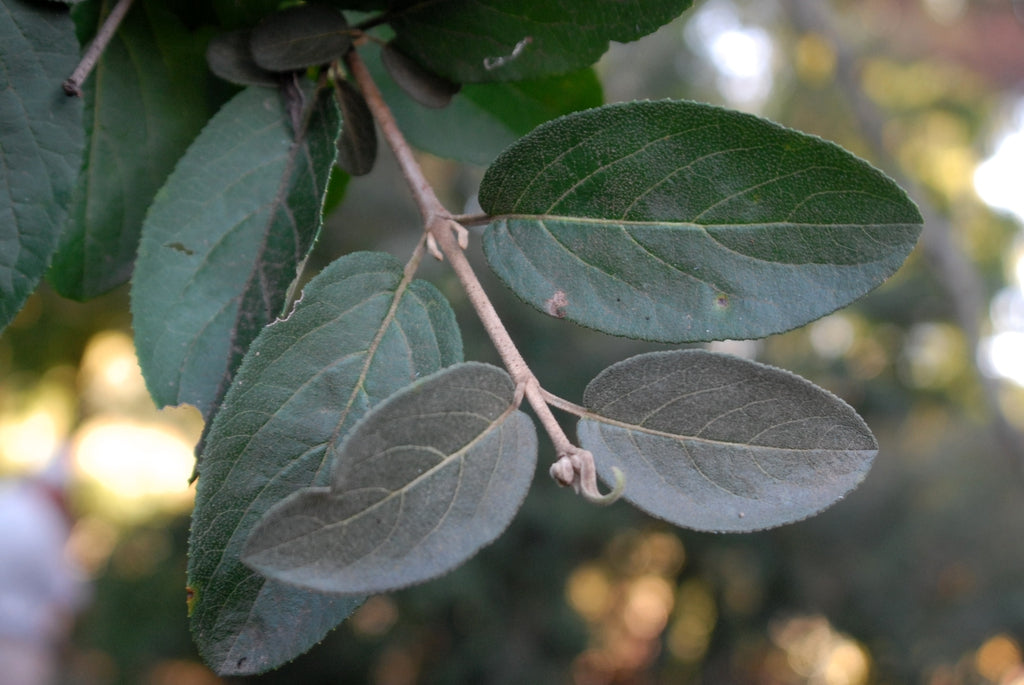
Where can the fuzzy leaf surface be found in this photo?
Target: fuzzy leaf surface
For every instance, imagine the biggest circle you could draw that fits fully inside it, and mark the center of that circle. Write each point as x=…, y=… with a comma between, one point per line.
x=718, y=443
x=222, y=241
x=41, y=140
x=426, y=479
x=360, y=333
x=144, y=104
x=677, y=221
x=471, y=41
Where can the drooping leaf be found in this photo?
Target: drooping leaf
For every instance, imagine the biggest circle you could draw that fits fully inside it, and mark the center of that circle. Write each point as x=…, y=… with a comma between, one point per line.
x=357, y=145
x=425, y=480
x=471, y=41
x=485, y=118
x=714, y=442
x=677, y=221
x=223, y=239
x=41, y=143
x=229, y=57
x=418, y=82
x=359, y=333
x=144, y=104
x=298, y=37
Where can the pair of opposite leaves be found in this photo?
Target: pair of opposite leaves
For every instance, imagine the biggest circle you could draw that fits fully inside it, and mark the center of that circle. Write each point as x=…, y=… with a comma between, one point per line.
x=303, y=36
x=439, y=469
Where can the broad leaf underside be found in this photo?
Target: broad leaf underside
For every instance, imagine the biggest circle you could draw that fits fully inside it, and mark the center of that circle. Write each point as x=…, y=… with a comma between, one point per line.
x=425, y=480
x=718, y=443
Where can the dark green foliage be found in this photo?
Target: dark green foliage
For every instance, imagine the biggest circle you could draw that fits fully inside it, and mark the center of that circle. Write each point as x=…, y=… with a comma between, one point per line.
x=143, y=107
x=349, y=450
x=41, y=143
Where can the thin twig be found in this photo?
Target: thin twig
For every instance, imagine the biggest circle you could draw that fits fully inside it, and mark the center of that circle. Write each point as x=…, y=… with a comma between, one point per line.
x=473, y=219
x=448, y=237
x=73, y=86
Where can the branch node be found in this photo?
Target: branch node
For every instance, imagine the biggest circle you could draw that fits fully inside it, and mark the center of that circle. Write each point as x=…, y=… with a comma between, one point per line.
x=576, y=468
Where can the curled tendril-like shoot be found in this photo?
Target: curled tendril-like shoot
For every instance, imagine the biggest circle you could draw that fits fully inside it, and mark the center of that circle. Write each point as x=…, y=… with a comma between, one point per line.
x=576, y=468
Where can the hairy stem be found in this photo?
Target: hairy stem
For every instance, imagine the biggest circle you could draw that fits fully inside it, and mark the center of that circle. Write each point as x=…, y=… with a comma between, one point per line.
x=73, y=86
x=441, y=229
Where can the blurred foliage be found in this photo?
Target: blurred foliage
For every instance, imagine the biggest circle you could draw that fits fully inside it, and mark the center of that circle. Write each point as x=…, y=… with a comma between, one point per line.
x=918, y=577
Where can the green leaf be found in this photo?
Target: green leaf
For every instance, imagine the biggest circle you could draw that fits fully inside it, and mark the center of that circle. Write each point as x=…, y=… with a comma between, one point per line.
x=470, y=41
x=41, y=143
x=425, y=480
x=360, y=332
x=229, y=57
x=718, y=443
x=144, y=104
x=298, y=37
x=483, y=119
x=357, y=145
x=222, y=242
x=676, y=221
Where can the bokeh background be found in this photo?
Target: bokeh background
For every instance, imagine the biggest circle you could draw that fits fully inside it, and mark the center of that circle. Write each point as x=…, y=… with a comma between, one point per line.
x=916, y=577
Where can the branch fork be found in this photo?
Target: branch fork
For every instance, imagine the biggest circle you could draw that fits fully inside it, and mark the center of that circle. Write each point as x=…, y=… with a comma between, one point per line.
x=446, y=237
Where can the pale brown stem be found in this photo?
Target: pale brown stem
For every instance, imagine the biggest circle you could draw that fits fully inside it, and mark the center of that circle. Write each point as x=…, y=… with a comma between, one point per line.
x=447, y=236
x=73, y=86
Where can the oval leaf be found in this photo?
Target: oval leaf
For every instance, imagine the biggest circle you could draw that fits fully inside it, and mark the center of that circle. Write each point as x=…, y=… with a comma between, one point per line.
x=357, y=145
x=676, y=221
x=229, y=57
x=500, y=40
x=718, y=443
x=422, y=483
x=41, y=143
x=360, y=332
x=418, y=82
x=223, y=239
x=298, y=37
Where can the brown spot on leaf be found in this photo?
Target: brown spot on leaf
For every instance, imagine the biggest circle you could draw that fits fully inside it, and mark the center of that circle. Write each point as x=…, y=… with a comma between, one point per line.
x=556, y=304
x=180, y=248
x=722, y=300
x=190, y=599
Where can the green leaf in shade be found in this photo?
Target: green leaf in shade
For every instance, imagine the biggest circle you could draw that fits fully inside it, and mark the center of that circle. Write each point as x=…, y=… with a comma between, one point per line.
x=470, y=41
x=677, y=221
x=483, y=119
x=41, y=143
x=144, y=105
x=426, y=479
x=360, y=332
x=357, y=145
x=222, y=242
x=418, y=82
x=718, y=443
x=229, y=57
x=298, y=37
